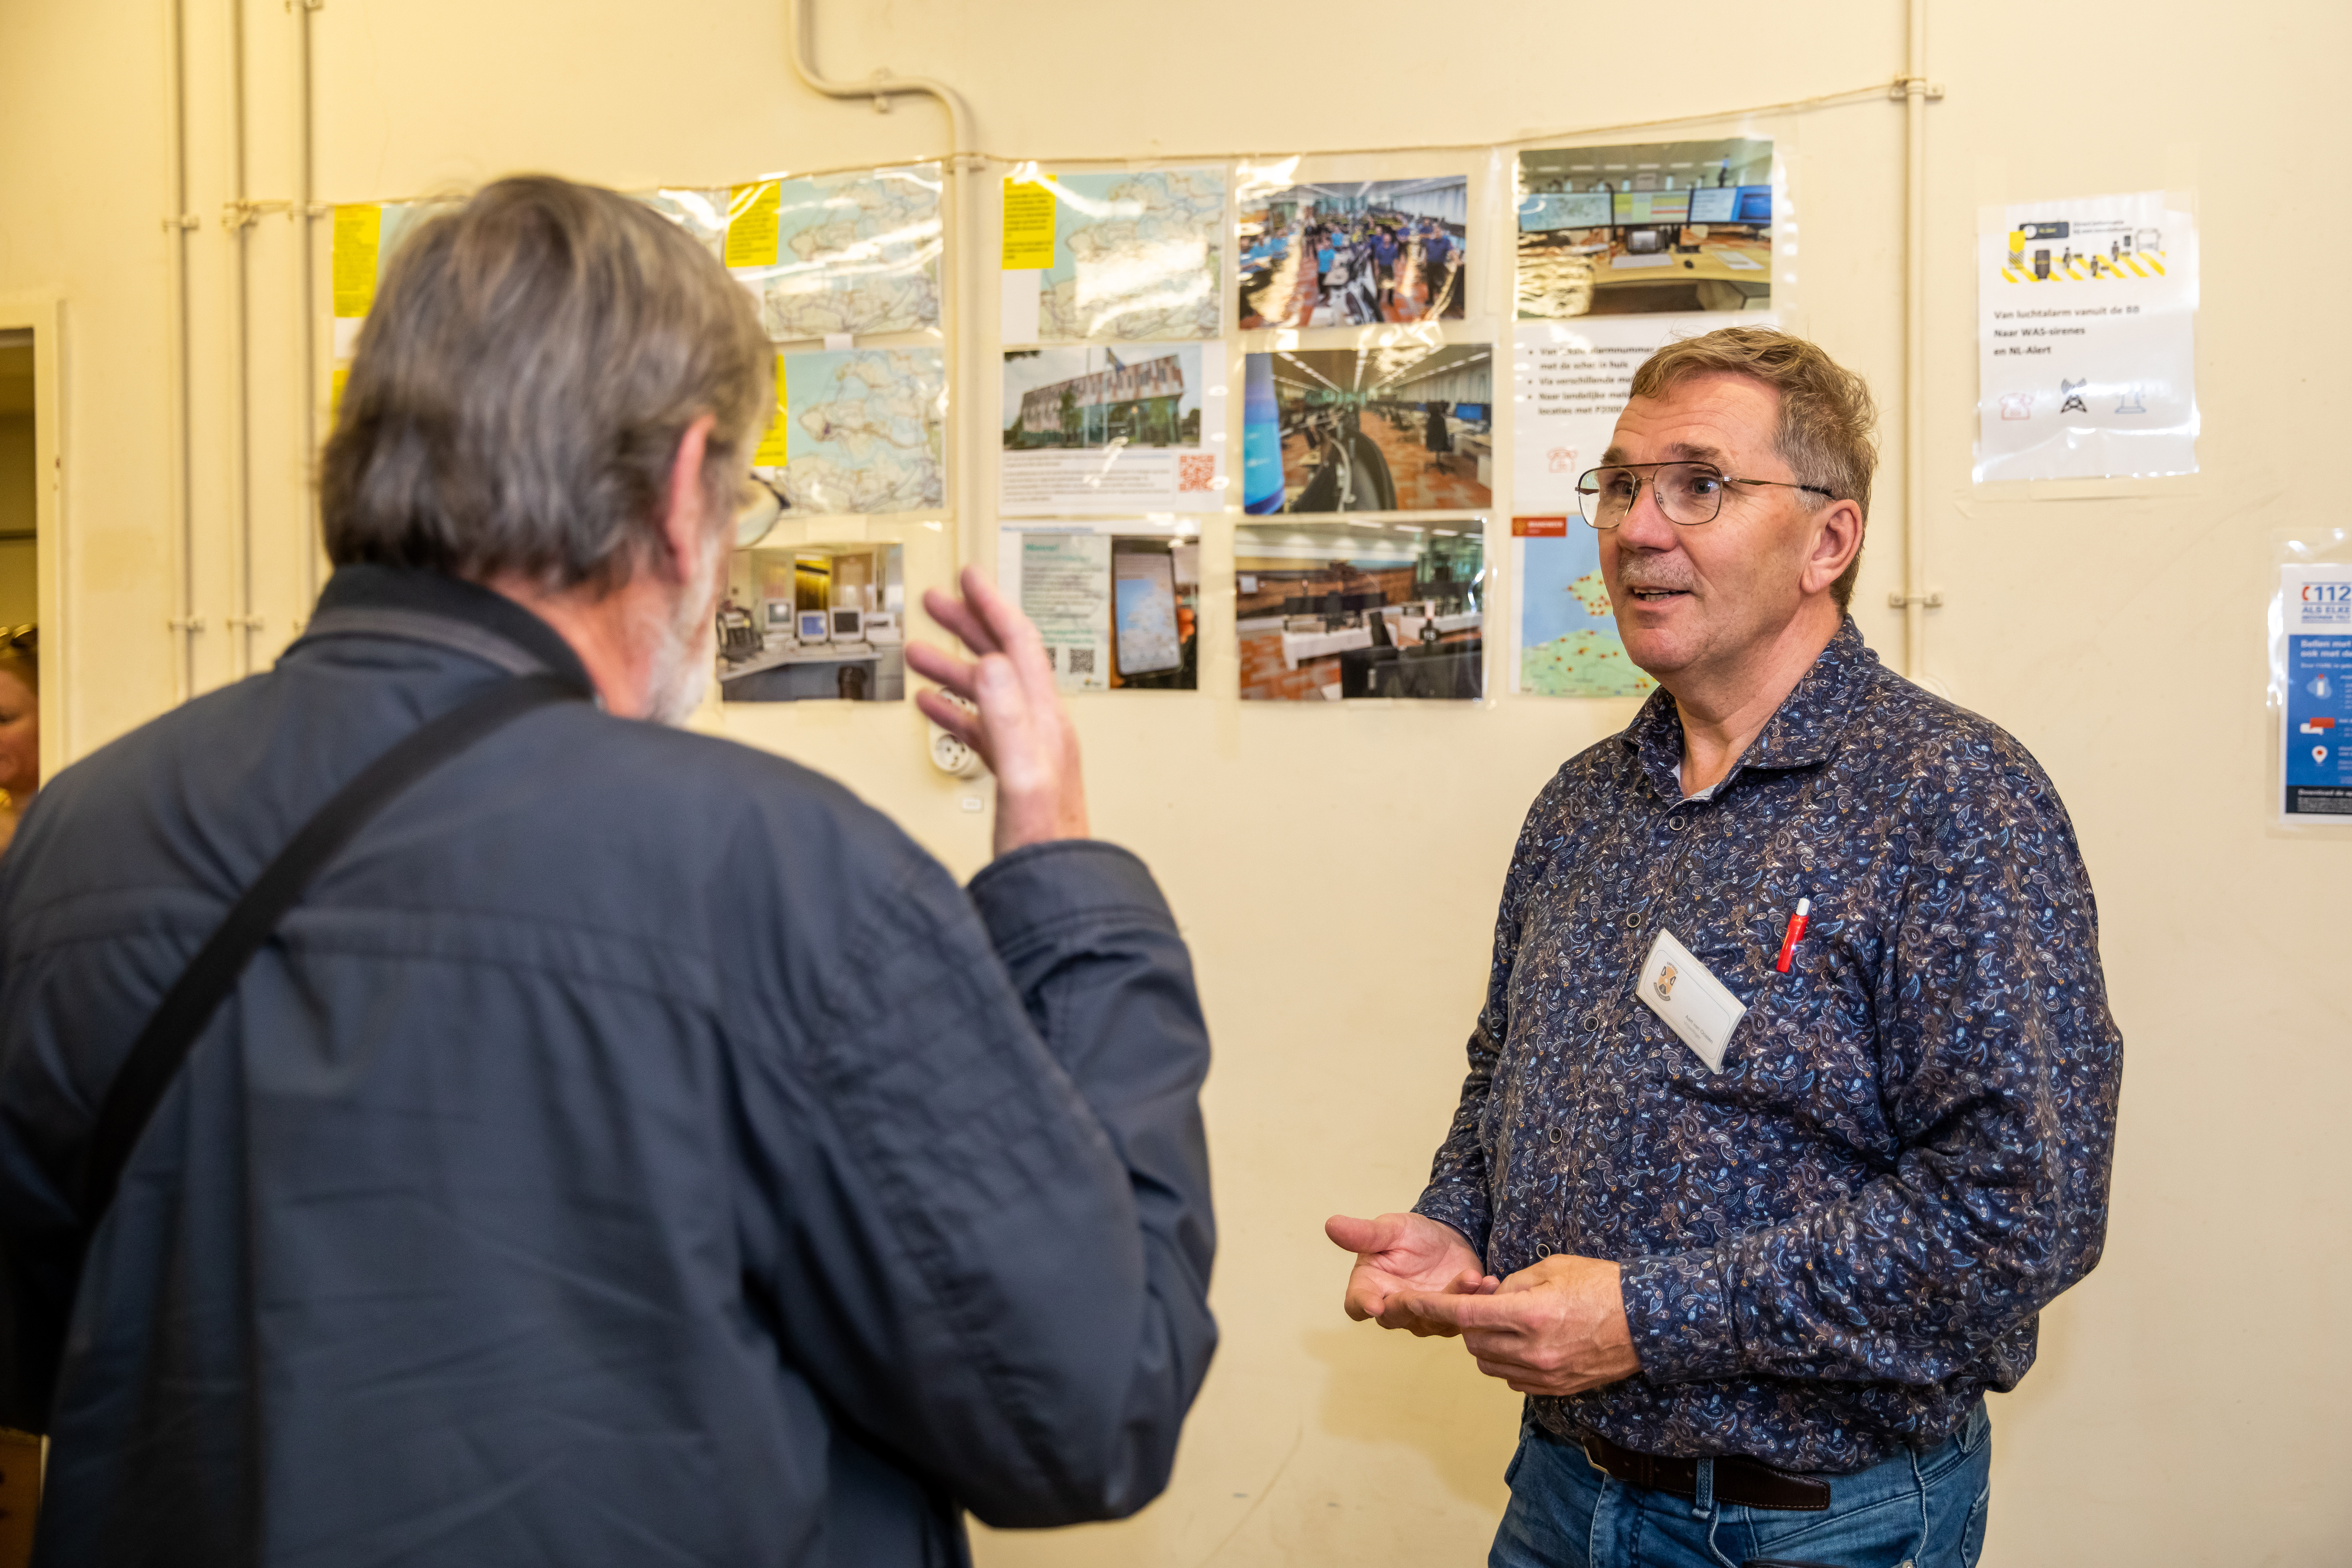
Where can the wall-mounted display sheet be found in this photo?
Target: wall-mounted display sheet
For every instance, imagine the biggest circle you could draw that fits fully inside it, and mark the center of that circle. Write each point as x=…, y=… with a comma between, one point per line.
x=1325, y=611
x=814, y=621
x=858, y=430
x=1405, y=427
x=1655, y=227
x=365, y=236
x=2086, y=338
x=830, y=256
x=1565, y=641
x=1117, y=605
x=2312, y=674
x=1104, y=429
x=1351, y=253
x=1123, y=258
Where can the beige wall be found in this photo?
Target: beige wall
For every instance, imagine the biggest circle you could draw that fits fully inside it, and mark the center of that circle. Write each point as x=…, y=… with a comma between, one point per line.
x=1336, y=868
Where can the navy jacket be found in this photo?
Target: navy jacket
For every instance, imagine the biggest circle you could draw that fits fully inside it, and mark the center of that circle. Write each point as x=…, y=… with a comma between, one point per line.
x=634, y=1149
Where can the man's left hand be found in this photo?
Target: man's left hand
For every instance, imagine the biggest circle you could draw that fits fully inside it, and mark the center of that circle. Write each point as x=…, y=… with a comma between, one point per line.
x=1556, y=1328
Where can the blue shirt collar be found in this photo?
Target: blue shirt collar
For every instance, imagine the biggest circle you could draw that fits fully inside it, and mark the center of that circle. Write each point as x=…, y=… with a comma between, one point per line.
x=1802, y=731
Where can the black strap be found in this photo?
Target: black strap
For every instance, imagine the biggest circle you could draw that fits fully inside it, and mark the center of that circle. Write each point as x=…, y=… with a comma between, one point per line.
x=213, y=973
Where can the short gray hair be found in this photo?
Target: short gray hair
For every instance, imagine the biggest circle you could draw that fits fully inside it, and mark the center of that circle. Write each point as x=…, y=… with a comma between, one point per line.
x=521, y=387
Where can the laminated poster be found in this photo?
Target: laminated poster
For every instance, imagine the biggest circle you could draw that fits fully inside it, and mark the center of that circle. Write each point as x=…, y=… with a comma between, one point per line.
x=862, y=430
x=1333, y=611
x=2085, y=340
x=1570, y=380
x=1117, y=611
x=1407, y=427
x=2315, y=606
x=1352, y=253
x=1104, y=429
x=814, y=622
x=1121, y=257
x=1661, y=226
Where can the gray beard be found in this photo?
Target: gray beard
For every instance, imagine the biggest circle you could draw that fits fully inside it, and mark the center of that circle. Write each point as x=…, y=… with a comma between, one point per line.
x=689, y=649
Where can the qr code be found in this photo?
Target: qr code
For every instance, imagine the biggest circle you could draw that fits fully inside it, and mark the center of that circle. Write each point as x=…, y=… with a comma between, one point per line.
x=1082, y=661
x=1194, y=474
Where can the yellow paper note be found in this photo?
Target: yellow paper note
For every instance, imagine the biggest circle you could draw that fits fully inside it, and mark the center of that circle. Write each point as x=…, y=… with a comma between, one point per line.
x=335, y=393
x=771, y=452
x=1028, y=223
x=358, y=232
x=751, y=222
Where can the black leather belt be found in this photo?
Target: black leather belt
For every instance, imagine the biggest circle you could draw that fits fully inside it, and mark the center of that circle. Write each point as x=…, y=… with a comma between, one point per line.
x=1749, y=1482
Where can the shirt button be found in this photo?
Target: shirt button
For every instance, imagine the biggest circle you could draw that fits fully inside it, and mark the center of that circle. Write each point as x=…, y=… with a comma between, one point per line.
x=1678, y=823
x=1543, y=1249
x=1553, y=1135
x=1592, y=1022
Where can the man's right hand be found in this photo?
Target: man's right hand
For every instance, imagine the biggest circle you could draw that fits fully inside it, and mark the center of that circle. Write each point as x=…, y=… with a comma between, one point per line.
x=1399, y=1255
x=1015, y=720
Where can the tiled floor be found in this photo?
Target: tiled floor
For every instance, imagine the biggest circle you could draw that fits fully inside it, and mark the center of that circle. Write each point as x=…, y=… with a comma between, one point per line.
x=1420, y=486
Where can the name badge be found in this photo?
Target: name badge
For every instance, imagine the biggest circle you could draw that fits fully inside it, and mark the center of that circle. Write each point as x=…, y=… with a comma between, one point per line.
x=1693, y=1003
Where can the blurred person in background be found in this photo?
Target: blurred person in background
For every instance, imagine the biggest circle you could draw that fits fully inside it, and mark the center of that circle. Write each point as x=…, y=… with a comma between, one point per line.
x=20, y=726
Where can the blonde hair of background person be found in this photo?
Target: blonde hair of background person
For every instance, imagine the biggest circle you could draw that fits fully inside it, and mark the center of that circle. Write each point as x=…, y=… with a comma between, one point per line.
x=20, y=725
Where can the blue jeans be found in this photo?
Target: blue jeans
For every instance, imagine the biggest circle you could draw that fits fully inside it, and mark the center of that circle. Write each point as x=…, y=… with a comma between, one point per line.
x=1913, y=1510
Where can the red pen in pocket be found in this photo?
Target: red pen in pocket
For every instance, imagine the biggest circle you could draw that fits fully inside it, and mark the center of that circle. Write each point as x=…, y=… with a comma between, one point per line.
x=1797, y=923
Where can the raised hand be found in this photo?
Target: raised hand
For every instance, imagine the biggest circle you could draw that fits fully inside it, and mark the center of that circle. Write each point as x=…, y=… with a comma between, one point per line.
x=1399, y=1255
x=1016, y=721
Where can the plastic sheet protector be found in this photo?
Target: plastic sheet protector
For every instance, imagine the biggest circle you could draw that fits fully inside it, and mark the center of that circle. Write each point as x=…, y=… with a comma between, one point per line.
x=1350, y=253
x=864, y=430
x=1128, y=256
x=2086, y=338
x=1663, y=226
x=1117, y=602
x=826, y=255
x=1111, y=428
x=1340, y=611
x=1402, y=422
x=2311, y=683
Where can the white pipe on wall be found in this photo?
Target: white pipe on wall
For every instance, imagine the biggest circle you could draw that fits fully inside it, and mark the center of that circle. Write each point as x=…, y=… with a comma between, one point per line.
x=236, y=218
x=1915, y=348
x=965, y=439
x=306, y=331
x=183, y=622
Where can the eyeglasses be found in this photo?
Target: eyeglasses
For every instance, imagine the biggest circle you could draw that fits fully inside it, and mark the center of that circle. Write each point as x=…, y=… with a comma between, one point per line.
x=1688, y=493
x=757, y=511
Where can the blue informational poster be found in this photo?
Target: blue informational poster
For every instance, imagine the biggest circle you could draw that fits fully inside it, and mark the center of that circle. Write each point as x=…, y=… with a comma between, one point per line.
x=2316, y=604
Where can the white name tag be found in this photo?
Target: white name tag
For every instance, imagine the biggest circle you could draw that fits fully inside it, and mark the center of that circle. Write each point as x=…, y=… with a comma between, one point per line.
x=1694, y=1004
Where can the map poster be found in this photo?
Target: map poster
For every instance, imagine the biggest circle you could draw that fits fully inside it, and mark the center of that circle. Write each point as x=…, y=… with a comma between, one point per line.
x=2315, y=619
x=1117, y=611
x=865, y=431
x=2086, y=339
x=1136, y=257
x=1565, y=643
x=1333, y=611
x=1103, y=428
x=1662, y=226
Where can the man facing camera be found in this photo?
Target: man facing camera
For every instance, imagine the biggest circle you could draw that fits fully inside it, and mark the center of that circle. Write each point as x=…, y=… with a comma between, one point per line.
x=1792, y=1101
x=628, y=1147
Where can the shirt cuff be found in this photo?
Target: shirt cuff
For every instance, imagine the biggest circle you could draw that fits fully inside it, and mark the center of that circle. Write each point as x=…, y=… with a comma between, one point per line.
x=1040, y=889
x=1678, y=1305
x=1465, y=1212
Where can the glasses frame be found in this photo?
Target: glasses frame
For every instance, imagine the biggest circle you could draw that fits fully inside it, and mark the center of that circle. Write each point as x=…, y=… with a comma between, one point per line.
x=1650, y=480
x=772, y=518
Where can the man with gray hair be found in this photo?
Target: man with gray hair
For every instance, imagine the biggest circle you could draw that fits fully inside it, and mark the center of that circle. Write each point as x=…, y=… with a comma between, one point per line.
x=445, y=1117
x=1792, y=1100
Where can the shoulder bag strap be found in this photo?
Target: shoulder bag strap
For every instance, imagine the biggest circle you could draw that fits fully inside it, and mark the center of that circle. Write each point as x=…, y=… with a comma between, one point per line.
x=213, y=973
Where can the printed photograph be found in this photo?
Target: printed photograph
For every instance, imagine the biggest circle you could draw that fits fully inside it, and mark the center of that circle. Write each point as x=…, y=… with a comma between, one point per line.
x=1330, y=611
x=1096, y=396
x=1666, y=227
x=1117, y=612
x=1407, y=428
x=814, y=621
x=1348, y=253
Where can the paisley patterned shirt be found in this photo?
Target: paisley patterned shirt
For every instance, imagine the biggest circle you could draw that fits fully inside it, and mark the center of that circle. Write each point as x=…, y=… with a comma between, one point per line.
x=1834, y=1244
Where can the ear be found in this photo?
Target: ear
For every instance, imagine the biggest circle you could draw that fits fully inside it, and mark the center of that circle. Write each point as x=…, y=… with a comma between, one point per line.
x=685, y=522
x=1837, y=540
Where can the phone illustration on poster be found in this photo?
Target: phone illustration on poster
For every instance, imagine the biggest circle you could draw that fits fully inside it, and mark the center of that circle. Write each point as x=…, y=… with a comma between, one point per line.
x=1116, y=607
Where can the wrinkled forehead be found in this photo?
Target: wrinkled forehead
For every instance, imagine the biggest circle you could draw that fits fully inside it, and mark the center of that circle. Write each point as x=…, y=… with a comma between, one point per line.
x=1730, y=421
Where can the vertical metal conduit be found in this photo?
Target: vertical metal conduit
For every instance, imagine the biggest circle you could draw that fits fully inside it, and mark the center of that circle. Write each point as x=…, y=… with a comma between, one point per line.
x=1915, y=348
x=963, y=270
x=183, y=622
